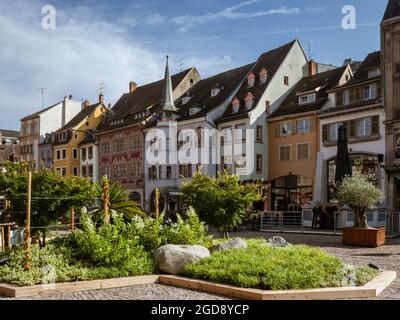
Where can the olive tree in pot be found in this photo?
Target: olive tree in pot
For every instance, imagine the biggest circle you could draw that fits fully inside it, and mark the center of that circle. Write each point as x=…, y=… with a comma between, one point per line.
x=360, y=195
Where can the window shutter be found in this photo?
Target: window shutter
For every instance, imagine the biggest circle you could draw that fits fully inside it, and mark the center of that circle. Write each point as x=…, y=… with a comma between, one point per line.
x=375, y=125
x=352, y=128
x=294, y=127
x=325, y=133
x=277, y=130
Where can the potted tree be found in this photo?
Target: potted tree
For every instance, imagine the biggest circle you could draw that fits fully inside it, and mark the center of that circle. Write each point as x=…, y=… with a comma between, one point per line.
x=360, y=195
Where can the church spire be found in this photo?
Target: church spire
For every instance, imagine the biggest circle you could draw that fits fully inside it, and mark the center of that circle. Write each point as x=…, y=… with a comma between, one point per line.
x=167, y=102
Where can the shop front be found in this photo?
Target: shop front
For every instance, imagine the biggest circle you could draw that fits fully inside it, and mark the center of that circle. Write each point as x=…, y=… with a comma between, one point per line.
x=291, y=193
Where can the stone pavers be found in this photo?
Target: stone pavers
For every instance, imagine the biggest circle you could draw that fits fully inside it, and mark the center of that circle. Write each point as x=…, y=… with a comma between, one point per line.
x=386, y=257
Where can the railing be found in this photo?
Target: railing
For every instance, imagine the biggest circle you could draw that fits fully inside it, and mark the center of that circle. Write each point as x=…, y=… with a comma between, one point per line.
x=305, y=222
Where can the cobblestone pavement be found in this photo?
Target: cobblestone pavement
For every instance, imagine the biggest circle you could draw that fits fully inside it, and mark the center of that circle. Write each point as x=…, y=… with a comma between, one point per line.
x=386, y=257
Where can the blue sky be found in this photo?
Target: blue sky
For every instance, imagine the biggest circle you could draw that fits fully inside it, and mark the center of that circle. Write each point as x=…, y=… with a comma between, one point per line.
x=120, y=41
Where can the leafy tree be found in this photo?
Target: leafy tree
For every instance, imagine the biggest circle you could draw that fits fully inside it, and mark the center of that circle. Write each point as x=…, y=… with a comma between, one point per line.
x=118, y=202
x=360, y=195
x=53, y=196
x=220, y=202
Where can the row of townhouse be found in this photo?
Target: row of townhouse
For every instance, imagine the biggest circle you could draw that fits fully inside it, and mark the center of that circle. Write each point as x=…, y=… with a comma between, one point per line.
x=273, y=121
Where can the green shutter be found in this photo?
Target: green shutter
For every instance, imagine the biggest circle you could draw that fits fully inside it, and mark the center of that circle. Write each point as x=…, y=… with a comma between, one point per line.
x=324, y=133
x=375, y=125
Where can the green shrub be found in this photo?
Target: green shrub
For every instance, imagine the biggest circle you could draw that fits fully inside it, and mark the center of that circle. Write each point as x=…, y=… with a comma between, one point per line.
x=263, y=267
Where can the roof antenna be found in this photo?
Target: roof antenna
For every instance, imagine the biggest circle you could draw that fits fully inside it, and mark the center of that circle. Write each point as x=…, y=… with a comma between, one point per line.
x=43, y=90
x=102, y=88
x=180, y=62
x=309, y=49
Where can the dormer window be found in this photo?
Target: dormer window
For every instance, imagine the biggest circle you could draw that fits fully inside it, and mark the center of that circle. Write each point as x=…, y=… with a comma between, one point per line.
x=374, y=73
x=194, y=111
x=63, y=136
x=249, y=100
x=250, y=80
x=235, y=105
x=186, y=99
x=307, y=98
x=215, y=92
x=263, y=76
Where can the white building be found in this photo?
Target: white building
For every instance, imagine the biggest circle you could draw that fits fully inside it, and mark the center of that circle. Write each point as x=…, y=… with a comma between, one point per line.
x=359, y=106
x=89, y=157
x=35, y=126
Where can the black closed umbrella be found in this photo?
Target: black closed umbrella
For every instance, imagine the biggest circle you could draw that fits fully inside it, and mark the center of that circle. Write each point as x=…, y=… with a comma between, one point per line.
x=343, y=163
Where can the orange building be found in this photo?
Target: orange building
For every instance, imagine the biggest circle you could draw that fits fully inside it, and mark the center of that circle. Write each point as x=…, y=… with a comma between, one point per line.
x=294, y=139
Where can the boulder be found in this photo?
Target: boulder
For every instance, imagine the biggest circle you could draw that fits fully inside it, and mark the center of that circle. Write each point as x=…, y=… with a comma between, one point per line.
x=172, y=259
x=278, y=242
x=237, y=243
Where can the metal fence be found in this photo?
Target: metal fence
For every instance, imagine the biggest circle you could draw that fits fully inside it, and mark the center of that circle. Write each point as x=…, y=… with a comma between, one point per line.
x=305, y=222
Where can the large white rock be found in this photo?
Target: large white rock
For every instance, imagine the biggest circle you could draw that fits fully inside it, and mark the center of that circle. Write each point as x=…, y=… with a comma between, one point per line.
x=172, y=259
x=237, y=243
x=278, y=242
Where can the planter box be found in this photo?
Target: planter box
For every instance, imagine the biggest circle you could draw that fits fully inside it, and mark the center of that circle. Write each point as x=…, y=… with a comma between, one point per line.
x=364, y=237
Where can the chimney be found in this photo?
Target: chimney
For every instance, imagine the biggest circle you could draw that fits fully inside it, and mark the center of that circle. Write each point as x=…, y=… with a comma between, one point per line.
x=312, y=68
x=86, y=103
x=101, y=98
x=132, y=86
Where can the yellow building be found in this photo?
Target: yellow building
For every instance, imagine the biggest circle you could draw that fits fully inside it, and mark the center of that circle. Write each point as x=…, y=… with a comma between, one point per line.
x=66, y=155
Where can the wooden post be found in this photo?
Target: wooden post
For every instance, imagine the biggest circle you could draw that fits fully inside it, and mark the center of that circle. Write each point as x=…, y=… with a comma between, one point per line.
x=28, y=223
x=3, y=245
x=106, y=200
x=73, y=219
x=9, y=237
x=157, y=203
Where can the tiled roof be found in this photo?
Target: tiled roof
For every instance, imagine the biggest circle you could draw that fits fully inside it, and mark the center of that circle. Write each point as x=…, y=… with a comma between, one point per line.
x=9, y=133
x=392, y=10
x=325, y=81
x=271, y=61
x=200, y=94
x=85, y=112
x=144, y=97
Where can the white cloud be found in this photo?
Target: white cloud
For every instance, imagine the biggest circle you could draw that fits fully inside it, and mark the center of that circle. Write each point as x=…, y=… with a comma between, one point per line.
x=155, y=19
x=186, y=22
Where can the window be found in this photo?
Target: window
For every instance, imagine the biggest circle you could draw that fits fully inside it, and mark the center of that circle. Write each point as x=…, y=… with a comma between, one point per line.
x=240, y=133
x=62, y=136
x=160, y=172
x=119, y=145
x=226, y=164
x=284, y=153
x=62, y=171
x=333, y=131
x=186, y=99
x=83, y=154
x=250, y=80
x=249, y=101
x=90, y=153
x=105, y=148
x=169, y=172
x=33, y=128
x=105, y=171
x=286, y=80
x=370, y=92
x=135, y=142
x=64, y=153
x=303, y=151
x=58, y=153
x=75, y=136
x=235, y=105
x=259, y=163
x=346, y=97
x=303, y=126
x=364, y=127
x=152, y=173
x=374, y=73
x=215, y=92
x=185, y=170
x=240, y=164
x=84, y=171
x=267, y=107
x=285, y=129
x=90, y=171
x=226, y=136
x=263, y=76
x=75, y=171
x=259, y=134
x=120, y=171
x=75, y=153
x=199, y=132
x=307, y=98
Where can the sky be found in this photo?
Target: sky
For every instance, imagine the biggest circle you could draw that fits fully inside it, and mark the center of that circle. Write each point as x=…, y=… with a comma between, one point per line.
x=115, y=42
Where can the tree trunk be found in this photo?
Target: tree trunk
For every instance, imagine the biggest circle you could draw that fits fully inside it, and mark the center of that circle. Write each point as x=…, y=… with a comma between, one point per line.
x=360, y=219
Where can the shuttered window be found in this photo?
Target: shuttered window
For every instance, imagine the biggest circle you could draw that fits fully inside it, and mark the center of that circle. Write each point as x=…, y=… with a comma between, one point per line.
x=284, y=152
x=303, y=151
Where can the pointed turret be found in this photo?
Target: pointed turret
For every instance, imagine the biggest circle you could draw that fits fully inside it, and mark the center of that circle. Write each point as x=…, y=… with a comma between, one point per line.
x=167, y=102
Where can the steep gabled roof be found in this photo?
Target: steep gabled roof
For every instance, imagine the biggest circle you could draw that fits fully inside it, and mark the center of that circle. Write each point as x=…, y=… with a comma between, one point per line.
x=143, y=98
x=38, y=113
x=323, y=81
x=271, y=61
x=392, y=10
x=85, y=112
x=200, y=94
